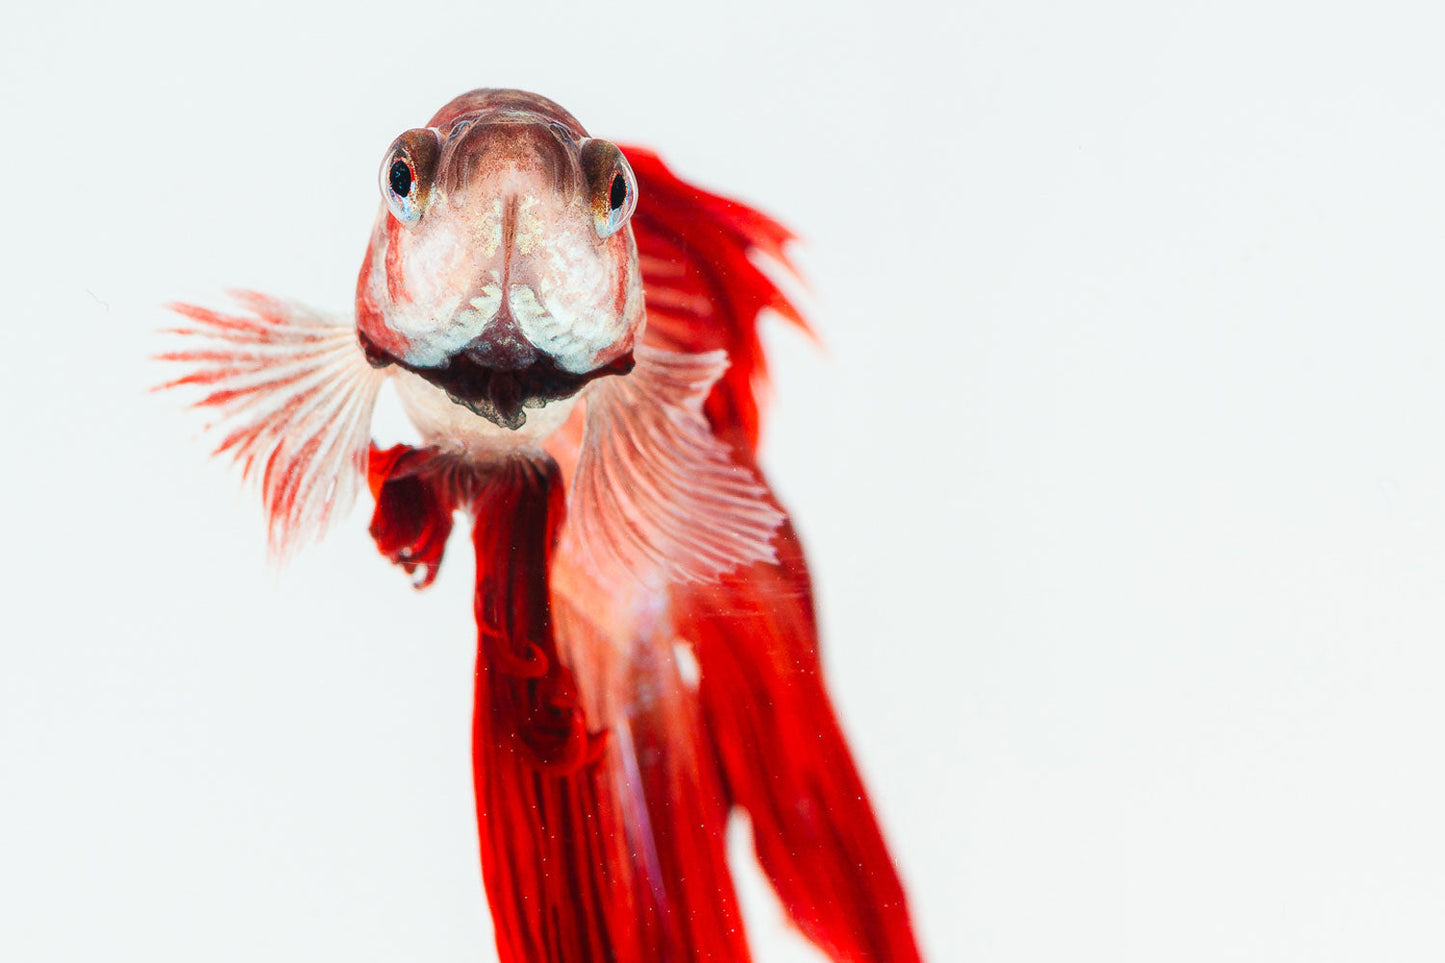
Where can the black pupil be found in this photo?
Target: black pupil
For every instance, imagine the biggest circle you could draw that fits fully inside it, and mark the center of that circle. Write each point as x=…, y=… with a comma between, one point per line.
x=400, y=176
x=617, y=196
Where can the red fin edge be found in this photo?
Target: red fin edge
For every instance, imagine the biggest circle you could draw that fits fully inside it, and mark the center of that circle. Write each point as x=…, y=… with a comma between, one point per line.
x=787, y=763
x=703, y=290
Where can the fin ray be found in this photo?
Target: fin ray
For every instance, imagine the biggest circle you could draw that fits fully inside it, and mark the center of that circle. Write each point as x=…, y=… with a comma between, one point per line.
x=655, y=491
x=291, y=391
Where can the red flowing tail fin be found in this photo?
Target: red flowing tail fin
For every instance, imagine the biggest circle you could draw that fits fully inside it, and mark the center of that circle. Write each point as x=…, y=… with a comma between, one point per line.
x=546, y=823
x=594, y=846
x=771, y=724
x=670, y=793
x=542, y=806
x=786, y=762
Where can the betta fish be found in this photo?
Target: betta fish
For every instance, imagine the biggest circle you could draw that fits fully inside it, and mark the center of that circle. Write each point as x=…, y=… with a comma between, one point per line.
x=572, y=330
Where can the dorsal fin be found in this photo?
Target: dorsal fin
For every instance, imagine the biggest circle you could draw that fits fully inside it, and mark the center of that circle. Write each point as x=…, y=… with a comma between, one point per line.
x=704, y=291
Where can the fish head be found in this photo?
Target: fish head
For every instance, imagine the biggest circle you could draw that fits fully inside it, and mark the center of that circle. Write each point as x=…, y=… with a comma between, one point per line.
x=501, y=266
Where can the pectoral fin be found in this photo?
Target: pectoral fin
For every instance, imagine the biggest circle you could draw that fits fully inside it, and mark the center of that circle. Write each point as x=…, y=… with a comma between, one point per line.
x=656, y=493
x=294, y=394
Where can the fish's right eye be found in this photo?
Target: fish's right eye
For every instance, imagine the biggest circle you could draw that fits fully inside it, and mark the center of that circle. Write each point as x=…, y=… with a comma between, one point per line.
x=399, y=187
x=407, y=172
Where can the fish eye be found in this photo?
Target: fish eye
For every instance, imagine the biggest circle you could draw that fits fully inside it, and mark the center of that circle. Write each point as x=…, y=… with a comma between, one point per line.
x=621, y=200
x=612, y=185
x=406, y=173
x=401, y=178
x=399, y=188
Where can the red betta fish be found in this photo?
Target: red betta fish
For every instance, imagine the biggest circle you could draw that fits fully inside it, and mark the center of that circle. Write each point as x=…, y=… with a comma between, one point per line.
x=572, y=329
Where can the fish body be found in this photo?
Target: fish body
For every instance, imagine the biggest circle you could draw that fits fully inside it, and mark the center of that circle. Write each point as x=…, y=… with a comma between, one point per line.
x=572, y=330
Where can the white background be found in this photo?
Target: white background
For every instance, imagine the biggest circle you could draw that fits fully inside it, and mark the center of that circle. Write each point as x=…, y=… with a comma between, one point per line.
x=1121, y=472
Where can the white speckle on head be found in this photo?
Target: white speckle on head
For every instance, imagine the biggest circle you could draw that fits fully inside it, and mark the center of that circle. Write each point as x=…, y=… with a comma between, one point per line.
x=489, y=229
x=483, y=311
x=567, y=310
x=573, y=340
x=441, y=340
x=530, y=229
x=439, y=272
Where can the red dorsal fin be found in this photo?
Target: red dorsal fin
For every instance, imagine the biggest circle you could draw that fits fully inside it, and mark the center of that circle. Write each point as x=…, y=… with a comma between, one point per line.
x=704, y=289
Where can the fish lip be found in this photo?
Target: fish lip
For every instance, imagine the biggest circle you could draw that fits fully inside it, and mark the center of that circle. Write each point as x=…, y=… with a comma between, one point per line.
x=501, y=394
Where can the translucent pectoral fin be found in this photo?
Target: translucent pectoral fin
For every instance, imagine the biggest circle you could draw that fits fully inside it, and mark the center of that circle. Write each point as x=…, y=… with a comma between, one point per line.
x=293, y=395
x=655, y=492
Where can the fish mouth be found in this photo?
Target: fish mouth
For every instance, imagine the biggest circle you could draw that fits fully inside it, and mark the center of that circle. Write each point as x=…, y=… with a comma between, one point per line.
x=501, y=389
x=501, y=395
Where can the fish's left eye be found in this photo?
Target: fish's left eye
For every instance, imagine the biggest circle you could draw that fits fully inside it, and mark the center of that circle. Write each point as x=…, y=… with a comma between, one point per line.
x=621, y=199
x=612, y=184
